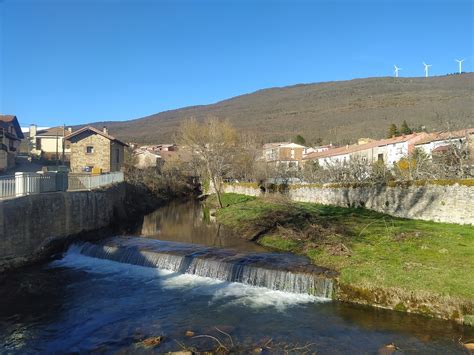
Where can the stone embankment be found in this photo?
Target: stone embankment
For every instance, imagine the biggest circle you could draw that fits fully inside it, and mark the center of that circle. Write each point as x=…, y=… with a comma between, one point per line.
x=29, y=225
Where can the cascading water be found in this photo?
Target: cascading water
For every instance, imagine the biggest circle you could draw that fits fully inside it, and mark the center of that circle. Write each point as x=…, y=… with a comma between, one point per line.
x=275, y=271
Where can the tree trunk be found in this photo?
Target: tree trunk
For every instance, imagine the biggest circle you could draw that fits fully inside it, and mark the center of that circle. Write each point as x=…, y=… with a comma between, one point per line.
x=218, y=193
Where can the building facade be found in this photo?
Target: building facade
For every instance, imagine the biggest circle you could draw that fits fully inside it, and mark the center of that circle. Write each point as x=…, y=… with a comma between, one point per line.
x=289, y=154
x=50, y=143
x=11, y=136
x=94, y=150
x=386, y=151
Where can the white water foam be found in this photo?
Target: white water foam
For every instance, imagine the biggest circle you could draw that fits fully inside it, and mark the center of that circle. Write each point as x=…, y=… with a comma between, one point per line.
x=228, y=293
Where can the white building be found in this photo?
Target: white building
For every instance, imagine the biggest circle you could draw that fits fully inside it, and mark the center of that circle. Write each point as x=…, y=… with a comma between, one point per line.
x=49, y=142
x=388, y=151
x=435, y=141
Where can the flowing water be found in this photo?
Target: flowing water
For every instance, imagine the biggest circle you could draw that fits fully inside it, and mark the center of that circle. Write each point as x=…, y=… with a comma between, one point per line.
x=107, y=297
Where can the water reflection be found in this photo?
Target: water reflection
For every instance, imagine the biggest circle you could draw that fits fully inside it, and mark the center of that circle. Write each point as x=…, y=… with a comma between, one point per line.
x=189, y=222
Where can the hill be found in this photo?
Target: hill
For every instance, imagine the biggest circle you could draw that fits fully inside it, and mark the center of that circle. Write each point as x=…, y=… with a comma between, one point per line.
x=334, y=111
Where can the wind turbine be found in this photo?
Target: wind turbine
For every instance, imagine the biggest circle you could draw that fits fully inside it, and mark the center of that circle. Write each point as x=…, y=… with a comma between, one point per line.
x=460, y=64
x=426, y=69
x=396, y=70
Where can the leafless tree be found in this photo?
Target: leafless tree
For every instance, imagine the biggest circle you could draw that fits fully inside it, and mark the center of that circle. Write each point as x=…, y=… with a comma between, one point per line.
x=214, y=146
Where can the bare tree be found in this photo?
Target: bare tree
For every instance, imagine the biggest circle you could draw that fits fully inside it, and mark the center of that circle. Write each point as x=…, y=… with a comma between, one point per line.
x=214, y=145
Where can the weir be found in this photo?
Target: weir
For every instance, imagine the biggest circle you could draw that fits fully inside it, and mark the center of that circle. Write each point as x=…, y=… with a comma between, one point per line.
x=276, y=271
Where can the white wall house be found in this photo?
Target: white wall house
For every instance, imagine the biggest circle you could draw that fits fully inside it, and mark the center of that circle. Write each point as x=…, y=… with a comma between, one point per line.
x=442, y=139
x=49, y=142
x=388, y=151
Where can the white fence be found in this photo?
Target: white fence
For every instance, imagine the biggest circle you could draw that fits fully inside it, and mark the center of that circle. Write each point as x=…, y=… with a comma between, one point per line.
x=22, y=184
x=89, y=181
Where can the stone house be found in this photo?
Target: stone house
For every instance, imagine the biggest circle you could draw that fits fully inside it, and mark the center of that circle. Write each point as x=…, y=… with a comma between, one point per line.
x=94, y=150
x=289, y=154
x=11, y=136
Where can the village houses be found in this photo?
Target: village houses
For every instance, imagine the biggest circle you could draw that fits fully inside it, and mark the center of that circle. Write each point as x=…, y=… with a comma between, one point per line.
x=435, y=145
x=283, y=153
x=94, y=150
x=387, y=151
x=49, y=143
x=11, y=135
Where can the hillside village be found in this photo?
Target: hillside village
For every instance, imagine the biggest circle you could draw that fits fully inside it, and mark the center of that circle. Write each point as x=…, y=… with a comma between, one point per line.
x=93, y=150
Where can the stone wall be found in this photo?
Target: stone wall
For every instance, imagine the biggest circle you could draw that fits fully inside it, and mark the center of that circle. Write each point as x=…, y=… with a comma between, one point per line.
x=30, y=223
x=432, y=202
x=100, y=158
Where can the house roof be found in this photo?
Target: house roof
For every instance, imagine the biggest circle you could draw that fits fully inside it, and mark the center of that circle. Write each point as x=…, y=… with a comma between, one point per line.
x=445, y=135
x=292, y=145
x=282, y=145
x=7, y=120
x=97, y=131
x=274, y=145
x=359, y=147
x=53, y=131
x=441, y=149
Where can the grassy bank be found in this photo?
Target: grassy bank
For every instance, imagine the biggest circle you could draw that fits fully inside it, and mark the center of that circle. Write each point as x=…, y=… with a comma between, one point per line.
x=411, y=265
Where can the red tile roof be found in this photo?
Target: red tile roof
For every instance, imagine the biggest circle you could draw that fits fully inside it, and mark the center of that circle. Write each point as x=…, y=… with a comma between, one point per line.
x=445, y=135
x=356, y=147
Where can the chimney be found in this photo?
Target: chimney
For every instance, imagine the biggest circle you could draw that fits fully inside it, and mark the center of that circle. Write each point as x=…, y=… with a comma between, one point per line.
x=105, y=130
x=69, y=130
x=33, y=130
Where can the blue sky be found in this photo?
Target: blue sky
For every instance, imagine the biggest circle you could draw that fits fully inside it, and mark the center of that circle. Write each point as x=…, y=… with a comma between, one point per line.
x=78, y=61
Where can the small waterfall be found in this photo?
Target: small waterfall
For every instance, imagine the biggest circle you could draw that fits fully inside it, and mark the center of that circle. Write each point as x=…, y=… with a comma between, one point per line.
x=255, y=270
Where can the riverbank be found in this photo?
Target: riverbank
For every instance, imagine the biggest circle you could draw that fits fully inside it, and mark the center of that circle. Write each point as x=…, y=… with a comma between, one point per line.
x=406, y=265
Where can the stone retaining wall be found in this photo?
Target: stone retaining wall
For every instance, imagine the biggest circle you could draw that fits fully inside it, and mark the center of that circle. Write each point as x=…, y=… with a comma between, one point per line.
x=431, y=202
x=29, y=223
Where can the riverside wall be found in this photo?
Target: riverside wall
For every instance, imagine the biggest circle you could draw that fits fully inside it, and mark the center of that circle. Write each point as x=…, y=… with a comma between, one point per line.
x=29, y=224
x=431, y=201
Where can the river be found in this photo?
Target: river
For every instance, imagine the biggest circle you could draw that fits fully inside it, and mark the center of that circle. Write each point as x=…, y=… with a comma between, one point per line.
x=192, y=282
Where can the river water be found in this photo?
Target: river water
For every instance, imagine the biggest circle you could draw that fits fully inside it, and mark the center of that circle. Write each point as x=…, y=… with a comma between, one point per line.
x=179, y=273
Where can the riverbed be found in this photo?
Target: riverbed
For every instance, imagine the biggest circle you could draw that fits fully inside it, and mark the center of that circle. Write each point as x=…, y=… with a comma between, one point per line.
x=81, y=303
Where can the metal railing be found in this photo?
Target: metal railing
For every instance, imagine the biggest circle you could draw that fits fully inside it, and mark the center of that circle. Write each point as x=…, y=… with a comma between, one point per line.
x=22, y=184
x=90, y=181
x=7, y=186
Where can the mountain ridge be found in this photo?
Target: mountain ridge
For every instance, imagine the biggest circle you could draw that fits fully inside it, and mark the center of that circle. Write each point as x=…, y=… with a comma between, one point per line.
x=337, y=111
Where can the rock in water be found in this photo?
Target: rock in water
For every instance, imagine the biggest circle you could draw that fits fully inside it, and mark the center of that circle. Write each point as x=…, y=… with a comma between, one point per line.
x=152, y=341
x=469, y=346
x=387, y=349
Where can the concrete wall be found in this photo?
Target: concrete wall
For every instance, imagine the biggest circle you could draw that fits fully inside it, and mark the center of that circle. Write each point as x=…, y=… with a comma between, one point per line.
x=29, y=223
x=450, y=204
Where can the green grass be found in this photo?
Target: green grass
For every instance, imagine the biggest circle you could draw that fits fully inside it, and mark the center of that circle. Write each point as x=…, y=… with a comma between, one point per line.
x=228, y=199
x=412, y=255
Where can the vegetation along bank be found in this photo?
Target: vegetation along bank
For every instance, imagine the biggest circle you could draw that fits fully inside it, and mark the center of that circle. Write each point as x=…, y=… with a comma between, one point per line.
x=406, y=265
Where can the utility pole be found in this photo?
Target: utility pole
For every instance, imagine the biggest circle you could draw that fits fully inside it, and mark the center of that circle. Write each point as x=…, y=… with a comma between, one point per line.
x=64, y=134
x=57, y=149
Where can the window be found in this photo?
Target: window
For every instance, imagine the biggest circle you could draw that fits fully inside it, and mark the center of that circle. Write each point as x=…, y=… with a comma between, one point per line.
x=89, y=149
x=380, y=157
